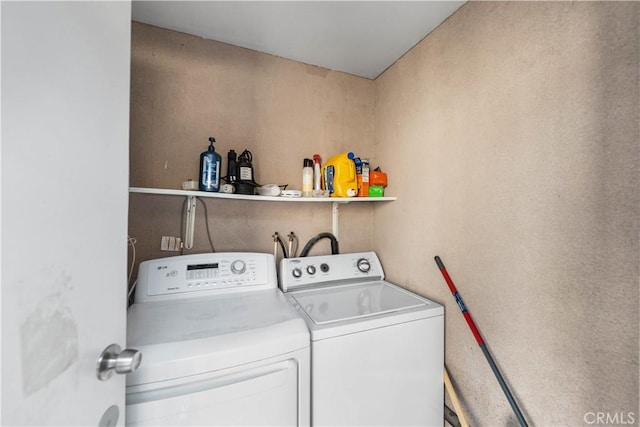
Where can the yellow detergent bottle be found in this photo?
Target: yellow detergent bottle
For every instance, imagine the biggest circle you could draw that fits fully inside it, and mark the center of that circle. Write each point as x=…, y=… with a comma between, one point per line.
x=339, y=174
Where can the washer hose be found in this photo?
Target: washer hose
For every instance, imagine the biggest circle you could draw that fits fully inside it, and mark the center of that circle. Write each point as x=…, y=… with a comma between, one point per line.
x=277, y=239
x=314, y=240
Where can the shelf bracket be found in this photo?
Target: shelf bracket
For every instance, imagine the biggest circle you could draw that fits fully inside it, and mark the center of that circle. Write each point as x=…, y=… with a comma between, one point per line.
x=335, y=218
x=190, y=222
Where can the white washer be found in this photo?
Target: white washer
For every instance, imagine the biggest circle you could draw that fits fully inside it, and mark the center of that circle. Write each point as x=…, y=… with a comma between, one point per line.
x=377, y=350
x=220, y=345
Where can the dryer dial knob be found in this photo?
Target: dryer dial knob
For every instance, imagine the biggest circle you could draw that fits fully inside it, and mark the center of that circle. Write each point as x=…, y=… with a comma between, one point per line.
x=364, y=265
x=297, y=273
x=238, y=267
x=311, y=269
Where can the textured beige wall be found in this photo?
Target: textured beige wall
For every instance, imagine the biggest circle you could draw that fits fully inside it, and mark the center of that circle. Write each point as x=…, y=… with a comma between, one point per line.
x=185, y=89
x=511, y=136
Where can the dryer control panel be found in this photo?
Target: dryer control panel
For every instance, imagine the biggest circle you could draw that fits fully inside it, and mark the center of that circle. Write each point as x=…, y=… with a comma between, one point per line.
x=329, y=269
x=204, y=274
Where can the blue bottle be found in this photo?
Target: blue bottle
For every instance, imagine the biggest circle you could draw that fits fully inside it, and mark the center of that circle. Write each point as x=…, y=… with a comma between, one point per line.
x=210, y=169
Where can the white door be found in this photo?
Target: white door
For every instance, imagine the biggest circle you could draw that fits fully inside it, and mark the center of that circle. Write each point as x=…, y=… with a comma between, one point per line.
x=65, y=125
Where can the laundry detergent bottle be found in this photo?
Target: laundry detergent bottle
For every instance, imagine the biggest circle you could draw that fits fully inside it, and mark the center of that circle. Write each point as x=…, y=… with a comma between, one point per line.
x=210, y=169
x=340, y=175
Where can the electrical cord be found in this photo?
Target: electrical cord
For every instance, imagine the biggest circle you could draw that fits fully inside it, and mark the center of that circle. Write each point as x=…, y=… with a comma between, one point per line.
x=131, y=242
x=184, y=205
x=206, y=223
x=132, y=289
x=130, y=294
x=246, y=156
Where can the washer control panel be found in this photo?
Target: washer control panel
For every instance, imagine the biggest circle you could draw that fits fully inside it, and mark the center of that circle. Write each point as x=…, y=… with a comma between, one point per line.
x=203, y=274
x=308, y=271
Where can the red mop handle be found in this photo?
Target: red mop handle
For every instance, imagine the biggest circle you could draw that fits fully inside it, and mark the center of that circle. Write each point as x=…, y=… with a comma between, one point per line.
x=463, y=308
x=483, y=347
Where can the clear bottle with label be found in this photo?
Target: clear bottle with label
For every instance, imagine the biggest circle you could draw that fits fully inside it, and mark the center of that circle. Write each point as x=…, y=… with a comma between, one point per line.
x=307, y=178
x=210, y=169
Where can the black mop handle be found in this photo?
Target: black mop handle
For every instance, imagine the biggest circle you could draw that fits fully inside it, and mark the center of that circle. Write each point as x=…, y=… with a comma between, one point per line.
x=480, y=341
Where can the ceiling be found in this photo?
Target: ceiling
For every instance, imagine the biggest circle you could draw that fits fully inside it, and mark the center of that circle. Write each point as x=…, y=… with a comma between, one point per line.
x=357, y=37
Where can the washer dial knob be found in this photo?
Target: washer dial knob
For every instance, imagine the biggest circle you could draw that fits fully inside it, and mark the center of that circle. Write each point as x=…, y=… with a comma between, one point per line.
x=364, y=265
x=311, y=269
x=238, y=267
x=297, y=273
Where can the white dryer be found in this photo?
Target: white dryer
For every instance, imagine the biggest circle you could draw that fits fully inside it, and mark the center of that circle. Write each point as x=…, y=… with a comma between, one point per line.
x=377, y=350
x=220, y=345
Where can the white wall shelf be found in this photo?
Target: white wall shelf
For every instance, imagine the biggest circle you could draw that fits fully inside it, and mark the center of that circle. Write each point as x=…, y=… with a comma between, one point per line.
x=191, y=204
x=189, y=193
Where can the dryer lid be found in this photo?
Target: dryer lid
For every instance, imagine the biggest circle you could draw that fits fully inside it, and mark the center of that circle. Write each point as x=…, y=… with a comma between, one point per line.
x=347, y=302
x=184, y=320
x=186, y=337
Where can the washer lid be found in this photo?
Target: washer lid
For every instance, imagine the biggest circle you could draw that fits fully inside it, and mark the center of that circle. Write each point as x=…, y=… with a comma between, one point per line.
x=187, y=337
x=338, y=303
x=349, y=308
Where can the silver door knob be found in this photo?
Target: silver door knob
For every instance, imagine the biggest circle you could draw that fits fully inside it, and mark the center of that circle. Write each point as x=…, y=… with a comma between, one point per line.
x=114, y=359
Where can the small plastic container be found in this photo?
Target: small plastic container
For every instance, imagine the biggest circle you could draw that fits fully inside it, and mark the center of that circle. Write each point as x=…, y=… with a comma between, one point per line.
x=376, y=191
x=378, y=178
